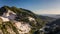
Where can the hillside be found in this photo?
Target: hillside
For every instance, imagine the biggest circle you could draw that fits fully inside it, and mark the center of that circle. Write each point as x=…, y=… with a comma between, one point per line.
x=18, y=21
x=54, y=27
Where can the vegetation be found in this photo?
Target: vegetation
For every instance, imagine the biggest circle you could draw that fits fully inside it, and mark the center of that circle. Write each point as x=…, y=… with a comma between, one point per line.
x=22, y=15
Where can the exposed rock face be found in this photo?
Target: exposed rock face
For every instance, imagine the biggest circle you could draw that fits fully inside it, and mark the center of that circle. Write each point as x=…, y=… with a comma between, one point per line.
x=10, y=15
x=32, y=19
x=22, y=28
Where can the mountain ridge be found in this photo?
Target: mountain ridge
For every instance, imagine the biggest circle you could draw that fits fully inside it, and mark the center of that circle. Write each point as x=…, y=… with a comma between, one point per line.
x=17, y=21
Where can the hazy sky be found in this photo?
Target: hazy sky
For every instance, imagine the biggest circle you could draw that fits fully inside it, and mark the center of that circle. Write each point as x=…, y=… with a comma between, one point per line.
x=37, y=6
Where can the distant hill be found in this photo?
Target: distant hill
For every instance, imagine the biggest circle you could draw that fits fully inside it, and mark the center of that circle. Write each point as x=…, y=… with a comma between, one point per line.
x=46, y=18
x=57, y=16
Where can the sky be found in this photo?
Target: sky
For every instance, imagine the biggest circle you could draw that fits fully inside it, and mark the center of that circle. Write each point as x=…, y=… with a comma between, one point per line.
x=37, y=6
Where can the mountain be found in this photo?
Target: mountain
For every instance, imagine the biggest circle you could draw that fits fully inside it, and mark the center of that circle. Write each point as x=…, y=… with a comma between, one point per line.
x=19, y=21
x=57, y=16
x=46, y=18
